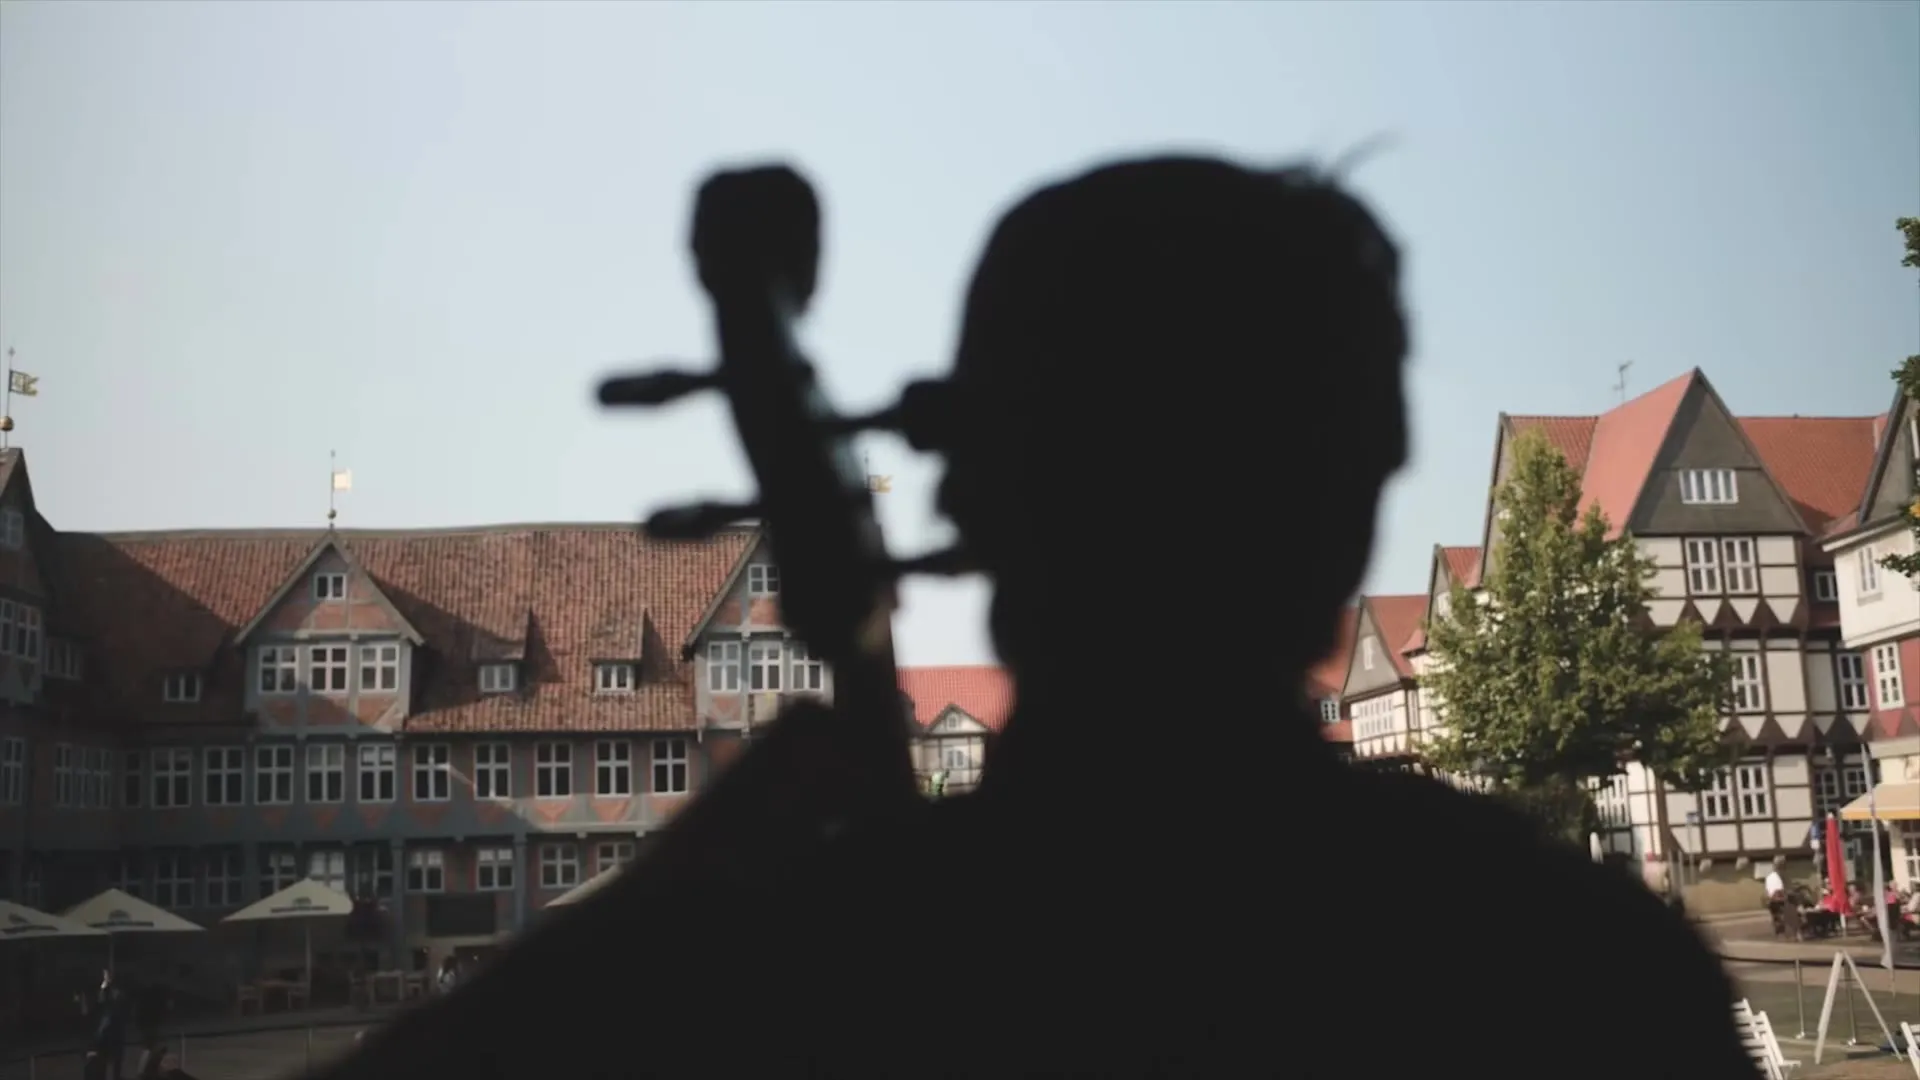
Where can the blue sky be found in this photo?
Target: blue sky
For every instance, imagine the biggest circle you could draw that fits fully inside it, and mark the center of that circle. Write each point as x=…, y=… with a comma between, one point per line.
x=234, y=237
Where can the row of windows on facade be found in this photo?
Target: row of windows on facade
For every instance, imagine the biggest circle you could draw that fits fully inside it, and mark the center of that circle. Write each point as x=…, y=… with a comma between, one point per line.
x=1744, y=792
x=329, y=669
x=1377, y=717
x=216, y=879
x=1730, y=566
x=163, y=778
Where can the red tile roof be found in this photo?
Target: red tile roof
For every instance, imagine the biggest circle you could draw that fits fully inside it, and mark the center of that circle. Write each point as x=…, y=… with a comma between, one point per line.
x=151, y=603
x=1325, y=679
x=1821, y=463
x=982, y=691
x=1463, y=565
x=1396, y=618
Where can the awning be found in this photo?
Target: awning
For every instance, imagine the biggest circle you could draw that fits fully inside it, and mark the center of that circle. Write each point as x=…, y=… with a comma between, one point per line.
x=1895, y=800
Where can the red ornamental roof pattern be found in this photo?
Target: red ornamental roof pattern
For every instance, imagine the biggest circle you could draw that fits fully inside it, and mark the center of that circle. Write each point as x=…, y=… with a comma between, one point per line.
x=148, y=604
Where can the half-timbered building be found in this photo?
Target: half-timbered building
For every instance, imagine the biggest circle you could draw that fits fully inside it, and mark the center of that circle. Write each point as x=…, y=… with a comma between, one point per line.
x=1381, y=690
x=1731, y=511
x=454, y=726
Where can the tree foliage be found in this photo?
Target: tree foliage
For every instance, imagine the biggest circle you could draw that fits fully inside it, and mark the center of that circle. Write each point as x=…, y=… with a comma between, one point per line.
x=1554, y=677
x=1907, y=375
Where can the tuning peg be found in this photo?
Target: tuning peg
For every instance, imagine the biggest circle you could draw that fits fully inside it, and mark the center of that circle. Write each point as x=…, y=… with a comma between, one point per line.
x=699, y=521
x=658, y=388
x=952, y=562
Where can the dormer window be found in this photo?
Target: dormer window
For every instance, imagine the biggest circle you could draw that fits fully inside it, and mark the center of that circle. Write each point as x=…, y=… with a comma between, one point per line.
x=613, y=678
x=329, y=586
x=13, y=529
x=498, y=678
x=763, y=579
x=1708, y=487
x=180, y=688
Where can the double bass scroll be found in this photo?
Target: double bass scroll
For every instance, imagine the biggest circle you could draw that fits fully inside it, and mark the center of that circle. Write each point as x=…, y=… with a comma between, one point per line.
x=807, y=775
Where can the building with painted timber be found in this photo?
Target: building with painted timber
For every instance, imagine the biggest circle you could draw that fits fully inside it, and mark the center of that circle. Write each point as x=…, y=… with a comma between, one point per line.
x=455, y=726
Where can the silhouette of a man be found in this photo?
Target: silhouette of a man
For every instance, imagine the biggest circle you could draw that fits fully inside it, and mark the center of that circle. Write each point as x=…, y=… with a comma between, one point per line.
x=1177, y=397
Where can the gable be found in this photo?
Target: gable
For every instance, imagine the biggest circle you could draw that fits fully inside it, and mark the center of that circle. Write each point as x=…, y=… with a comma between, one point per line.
x=1362, y=679
x=1705, y=436
x=1891, y=487
x=21, y=572
x=953, y=720
x=297, y=606
x=733, y=605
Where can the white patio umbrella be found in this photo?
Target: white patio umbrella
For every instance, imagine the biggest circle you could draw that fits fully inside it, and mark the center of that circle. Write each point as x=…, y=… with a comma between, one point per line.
x=19, y=922
x=117, y=913
x=304, y=900
x=1595, y=848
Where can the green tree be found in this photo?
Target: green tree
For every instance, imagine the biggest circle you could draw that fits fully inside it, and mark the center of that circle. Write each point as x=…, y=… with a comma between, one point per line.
x=1907, y=375
x=1555, y=678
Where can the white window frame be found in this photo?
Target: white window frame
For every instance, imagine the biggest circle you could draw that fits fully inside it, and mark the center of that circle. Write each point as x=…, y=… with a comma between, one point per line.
x=498, y=678
x=329, y=669
x=13, y=770
x=279, y=869
x=65, y=767
x=223, y=875
x=612, y=769
x=806, y=673
x=765, y=661
x=1739, y=567
x=133, y=779
x=493, y=869
x=13, y=529
x=1755, y=790
x=329, y=586
x=170, y=768
x=28, y=638
x=492, y=771
x=377, y=772
x=223, y=775
x=173, y=880
x=100, y=778
x=559, y=866
x=278, y=670
x=672, y=772
x=1869, y=558
x=723, y=667
x=1749, y=682
x=1709, y=487
x=1330, y=710
x=63, y=660
x=1369, y=652
x=432, y=772
x=553, y=770
x=426, y=870
x=380, y=667
x=763, y=579
x=1826, y=586
x=370, y=870
x=180, y=688
x=328, y=866
x=273, y=774
x=1910, y=848
x=1716, y=801
x=611, y=855
x=326, y=772
x=613, y=678
x=1888, y=687
x=1850, y=674
x=130, y=875
x=1703, y=567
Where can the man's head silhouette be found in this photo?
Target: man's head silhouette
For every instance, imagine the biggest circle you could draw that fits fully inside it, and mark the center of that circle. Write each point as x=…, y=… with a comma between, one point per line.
x=1187, y=373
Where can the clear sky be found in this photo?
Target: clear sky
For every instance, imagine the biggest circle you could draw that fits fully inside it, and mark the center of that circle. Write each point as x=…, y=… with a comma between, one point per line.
x=234, y=236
